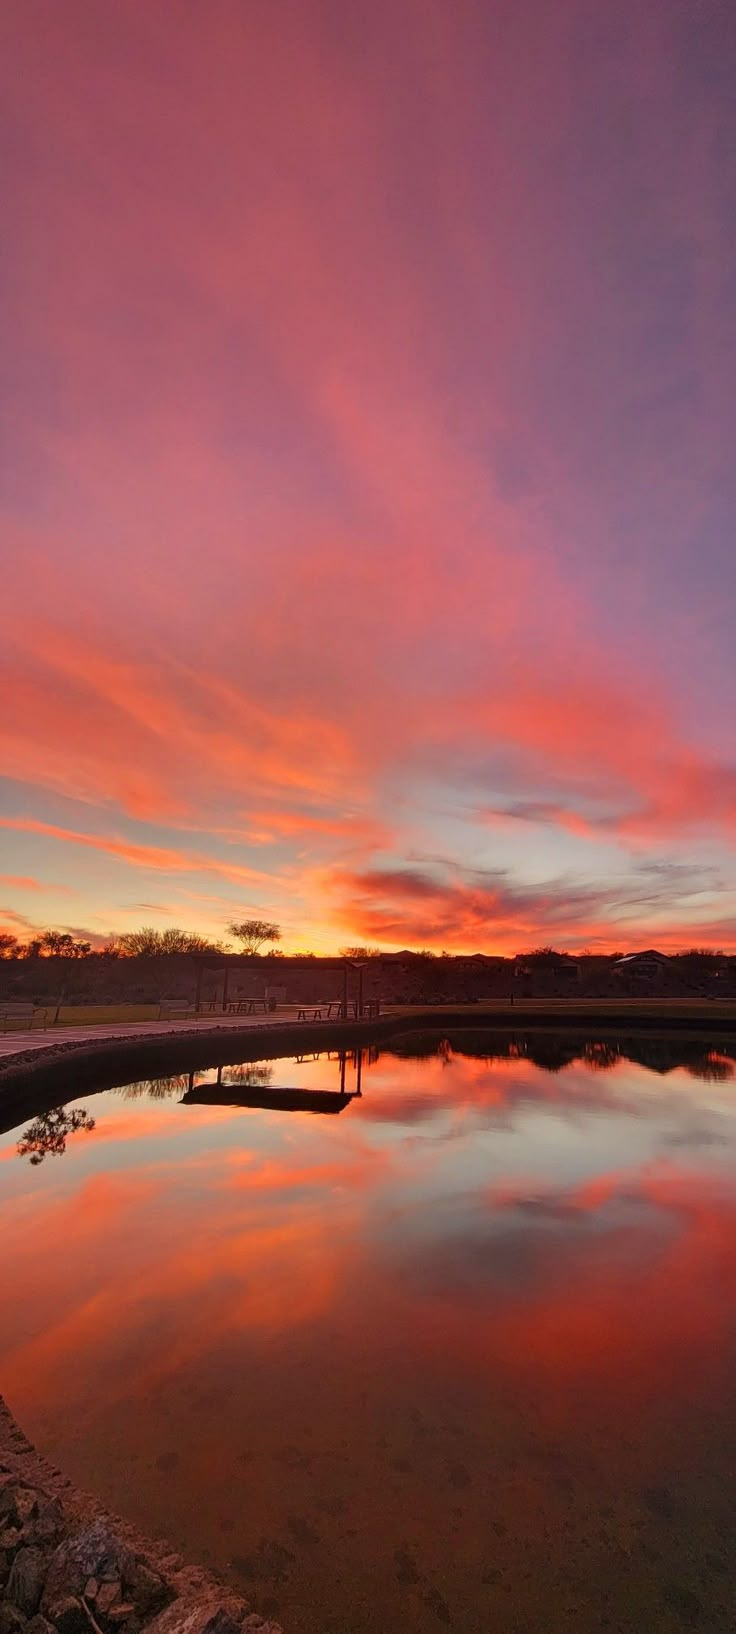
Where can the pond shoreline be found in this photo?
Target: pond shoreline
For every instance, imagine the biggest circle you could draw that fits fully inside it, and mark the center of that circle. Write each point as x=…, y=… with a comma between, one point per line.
x=67, y=1564
x=34, y=1080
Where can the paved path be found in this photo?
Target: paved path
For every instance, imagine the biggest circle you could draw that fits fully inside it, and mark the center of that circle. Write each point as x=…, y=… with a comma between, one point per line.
x=12, y=1043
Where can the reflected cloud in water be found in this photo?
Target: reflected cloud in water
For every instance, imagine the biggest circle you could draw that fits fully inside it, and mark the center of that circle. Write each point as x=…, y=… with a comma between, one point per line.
x=456, y=1335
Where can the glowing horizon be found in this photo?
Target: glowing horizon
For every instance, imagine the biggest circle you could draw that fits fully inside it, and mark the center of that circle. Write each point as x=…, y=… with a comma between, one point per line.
x=369, y=497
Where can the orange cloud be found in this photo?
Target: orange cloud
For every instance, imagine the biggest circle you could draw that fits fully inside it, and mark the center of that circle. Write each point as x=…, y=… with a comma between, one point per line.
x=441, y=906
x=158, y=859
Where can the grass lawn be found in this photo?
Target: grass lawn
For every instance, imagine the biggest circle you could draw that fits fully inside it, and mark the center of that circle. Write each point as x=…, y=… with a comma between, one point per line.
x=522, y=1009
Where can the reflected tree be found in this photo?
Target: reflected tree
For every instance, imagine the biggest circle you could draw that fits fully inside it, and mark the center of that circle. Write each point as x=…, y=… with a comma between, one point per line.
x=601, y=1057
x=551, y=1054
x=48, y=1134
x=157, y=1089
x=711, y=1068
x=252, y=1074
x=555, y=1053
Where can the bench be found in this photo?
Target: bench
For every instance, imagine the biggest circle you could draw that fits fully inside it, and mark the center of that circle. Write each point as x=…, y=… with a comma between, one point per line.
x=24, y=1015
x=174, y=1009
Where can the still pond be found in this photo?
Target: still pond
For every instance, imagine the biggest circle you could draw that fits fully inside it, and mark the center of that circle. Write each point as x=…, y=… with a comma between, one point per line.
x=443, y=1336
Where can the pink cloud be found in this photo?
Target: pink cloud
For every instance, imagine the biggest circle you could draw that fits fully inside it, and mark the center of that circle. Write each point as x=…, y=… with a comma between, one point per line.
x=349, y=455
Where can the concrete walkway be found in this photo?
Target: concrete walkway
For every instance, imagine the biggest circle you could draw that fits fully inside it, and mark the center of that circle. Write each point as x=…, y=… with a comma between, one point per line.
x=36, y=1038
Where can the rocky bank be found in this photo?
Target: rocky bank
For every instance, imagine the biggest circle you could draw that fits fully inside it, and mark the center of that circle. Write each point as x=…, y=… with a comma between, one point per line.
x=69, y=1567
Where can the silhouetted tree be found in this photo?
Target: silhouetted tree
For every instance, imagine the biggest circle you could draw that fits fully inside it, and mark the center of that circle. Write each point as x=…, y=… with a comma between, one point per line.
x=62, y=944
x=8, y=945
x=52, y=944
x=700, y=960
x=56, y=941
x=253, y=934
x=360, y=952
x=47, y=1135
x=148, y=941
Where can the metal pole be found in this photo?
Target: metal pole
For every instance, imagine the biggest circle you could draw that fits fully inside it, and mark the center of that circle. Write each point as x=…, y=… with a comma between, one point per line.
x=224, y=988
x=345, y=992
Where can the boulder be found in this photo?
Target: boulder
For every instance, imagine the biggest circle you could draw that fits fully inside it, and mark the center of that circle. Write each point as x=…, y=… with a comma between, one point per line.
x=26, y=1504
x=97, y=1551
x=147, y=1590
x=27, y=1577
x=12, y=1620
x=70, y=1616
x=47, y=1525
x=207, y=1613
x=18, y=1503
x=38, y=1625
x=106, y=1595
x=10, y=1540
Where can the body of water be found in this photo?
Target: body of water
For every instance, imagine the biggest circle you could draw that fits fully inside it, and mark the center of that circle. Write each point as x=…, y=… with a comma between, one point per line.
x=442, y=1336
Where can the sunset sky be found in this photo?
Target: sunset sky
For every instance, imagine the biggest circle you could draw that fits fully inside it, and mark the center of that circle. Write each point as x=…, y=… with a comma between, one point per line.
x=368, y=490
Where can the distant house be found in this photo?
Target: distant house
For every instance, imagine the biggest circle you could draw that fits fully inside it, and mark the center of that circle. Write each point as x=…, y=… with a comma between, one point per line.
x=550, y=964
x=647, y=963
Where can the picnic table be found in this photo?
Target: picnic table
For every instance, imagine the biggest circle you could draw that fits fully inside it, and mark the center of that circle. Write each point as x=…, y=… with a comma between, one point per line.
x=334, y=1009
x=323, y=1011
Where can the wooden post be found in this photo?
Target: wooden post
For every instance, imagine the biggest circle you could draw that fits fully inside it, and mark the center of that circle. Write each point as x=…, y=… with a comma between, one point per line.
x=198, y=995
x=224, y=988
x=345, y=992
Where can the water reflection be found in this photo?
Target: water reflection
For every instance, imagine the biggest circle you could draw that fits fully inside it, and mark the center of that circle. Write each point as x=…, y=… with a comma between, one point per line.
x=712, y=1061
x=251, y=1084
x=47, y=1135
x=156, y=1089
x=460, y=1357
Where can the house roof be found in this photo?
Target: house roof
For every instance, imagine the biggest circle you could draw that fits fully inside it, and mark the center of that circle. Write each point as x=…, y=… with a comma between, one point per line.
x=649, y=954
